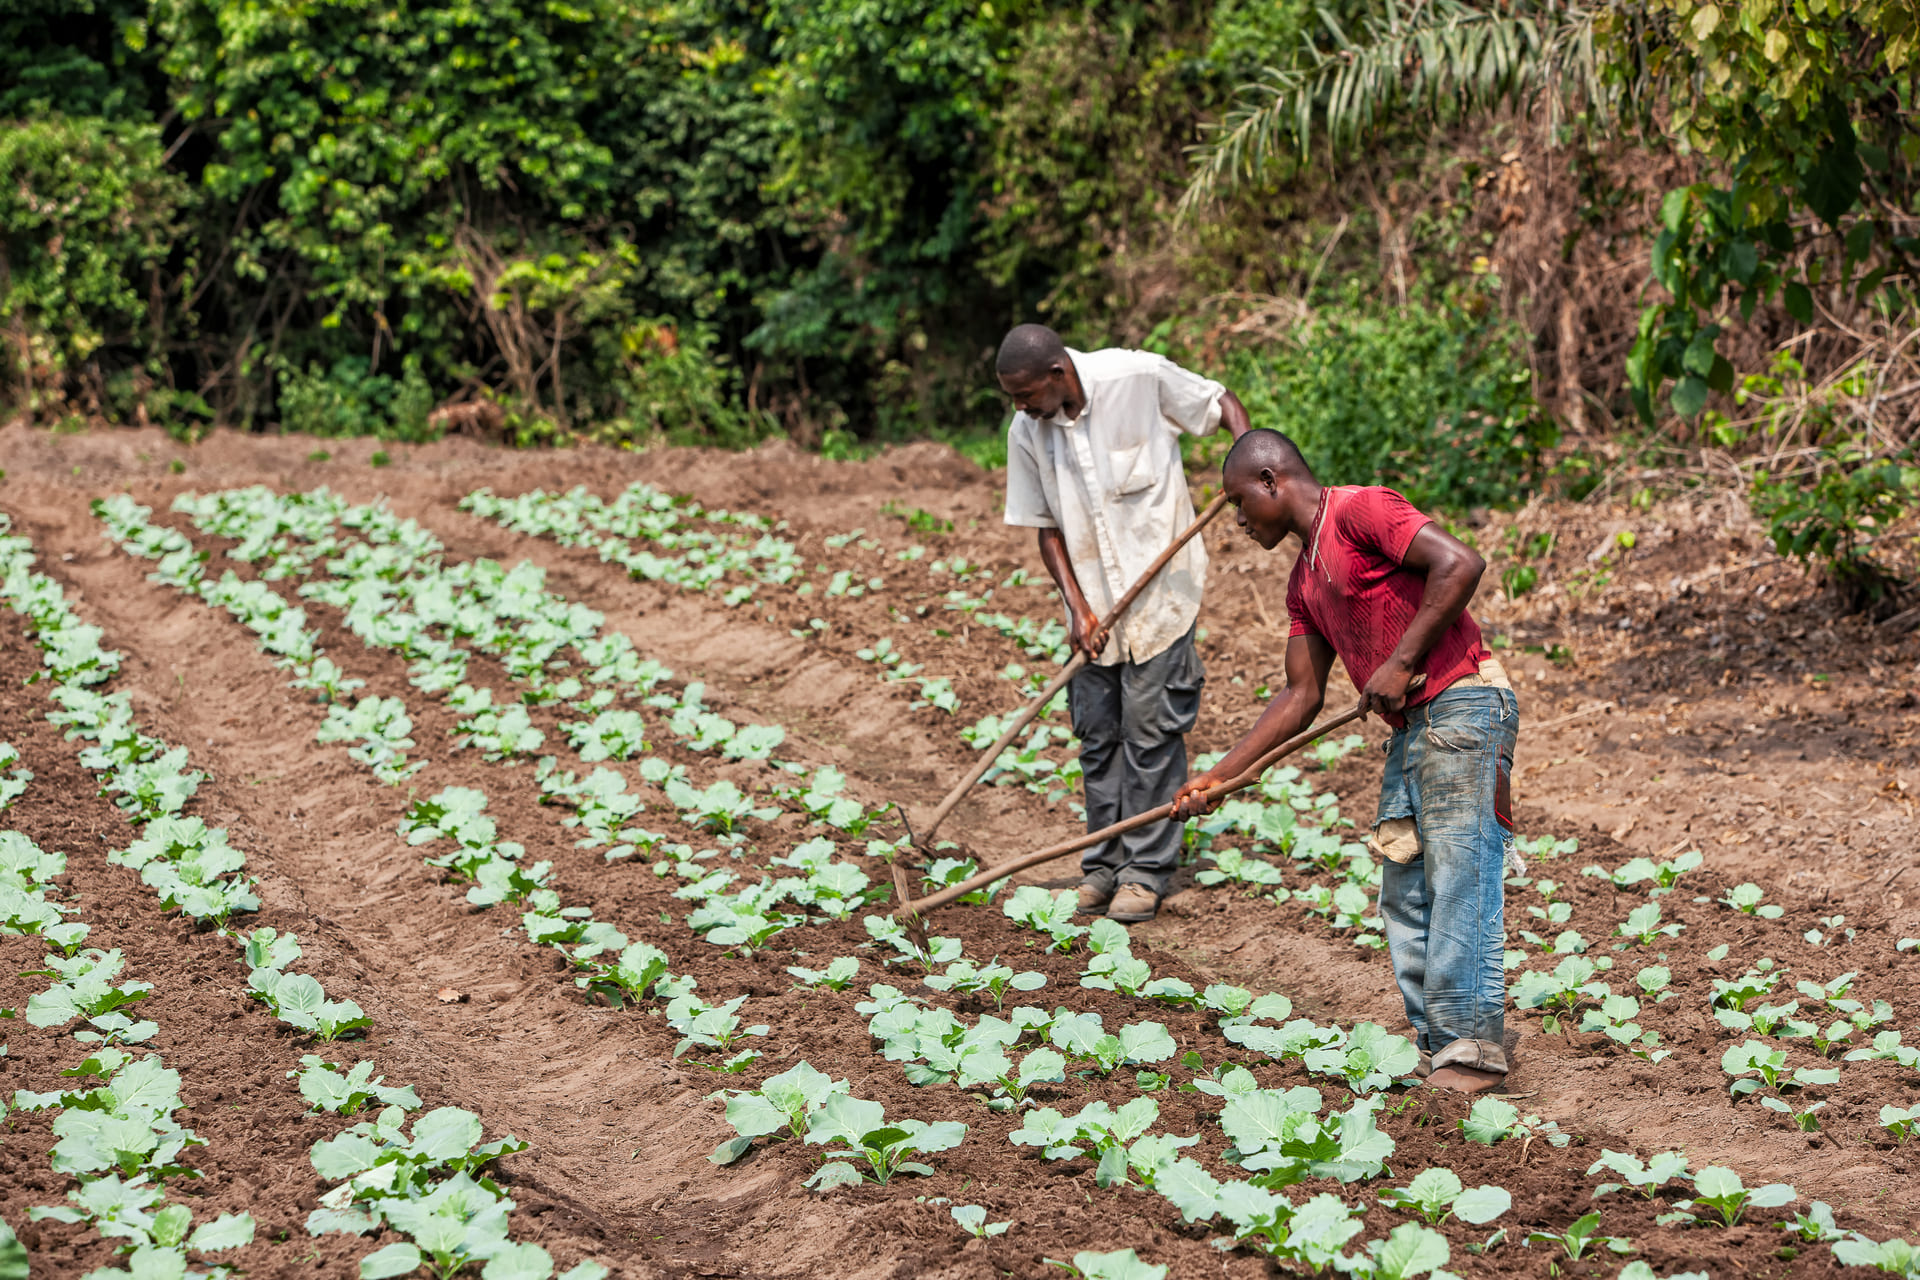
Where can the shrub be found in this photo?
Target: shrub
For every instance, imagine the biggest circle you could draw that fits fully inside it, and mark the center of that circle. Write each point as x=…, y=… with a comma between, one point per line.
x=87, y=217
x=1429, y=400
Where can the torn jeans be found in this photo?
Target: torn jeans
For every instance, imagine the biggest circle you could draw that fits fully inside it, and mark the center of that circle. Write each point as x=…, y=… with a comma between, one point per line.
x=1448, y=770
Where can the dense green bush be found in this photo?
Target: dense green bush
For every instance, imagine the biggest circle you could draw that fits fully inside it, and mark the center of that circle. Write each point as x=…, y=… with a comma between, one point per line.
x=690, y=221
x=1426, y=399
x=87, y=215
x=1833, y=520
x=347, y=400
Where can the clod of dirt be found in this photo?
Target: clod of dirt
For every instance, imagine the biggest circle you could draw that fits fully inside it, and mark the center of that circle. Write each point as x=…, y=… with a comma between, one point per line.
x=447, y=995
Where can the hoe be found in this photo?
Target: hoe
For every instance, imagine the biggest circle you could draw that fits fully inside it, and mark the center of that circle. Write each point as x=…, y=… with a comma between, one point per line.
x=910, y=911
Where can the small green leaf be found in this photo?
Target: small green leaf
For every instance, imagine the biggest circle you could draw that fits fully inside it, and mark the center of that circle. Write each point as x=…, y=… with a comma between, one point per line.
x=1689, y=396
x=394, y=1260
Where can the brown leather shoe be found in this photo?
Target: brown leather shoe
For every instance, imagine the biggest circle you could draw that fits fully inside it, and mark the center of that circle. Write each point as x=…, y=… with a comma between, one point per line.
x=1461, y=1079
x=1133, y=903
x=1094, y=898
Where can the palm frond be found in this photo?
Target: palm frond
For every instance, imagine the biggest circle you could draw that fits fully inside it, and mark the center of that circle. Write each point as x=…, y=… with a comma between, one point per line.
x=1445, y=58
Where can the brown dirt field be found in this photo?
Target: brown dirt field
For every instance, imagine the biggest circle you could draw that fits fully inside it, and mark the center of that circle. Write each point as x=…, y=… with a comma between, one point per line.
x=1699, y=719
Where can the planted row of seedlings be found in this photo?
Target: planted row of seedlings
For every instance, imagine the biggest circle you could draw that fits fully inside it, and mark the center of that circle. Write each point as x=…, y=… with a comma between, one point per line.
x=1351, y=1056
x=1571, y=985
x=414, y=1177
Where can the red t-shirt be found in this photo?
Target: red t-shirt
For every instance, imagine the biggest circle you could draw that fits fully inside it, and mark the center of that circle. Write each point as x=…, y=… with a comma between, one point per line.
x=1351, y=588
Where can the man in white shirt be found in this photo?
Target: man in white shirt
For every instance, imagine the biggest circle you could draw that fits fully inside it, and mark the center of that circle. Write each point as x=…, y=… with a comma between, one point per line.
x=1093, y=463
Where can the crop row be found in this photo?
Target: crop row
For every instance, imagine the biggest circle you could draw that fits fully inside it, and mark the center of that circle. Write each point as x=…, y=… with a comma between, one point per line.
x=415, y=1178
x=1356, y=1057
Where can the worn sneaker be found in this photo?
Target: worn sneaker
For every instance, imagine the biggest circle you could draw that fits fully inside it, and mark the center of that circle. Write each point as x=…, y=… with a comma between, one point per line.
x=1094, y=897
x=1134, y=903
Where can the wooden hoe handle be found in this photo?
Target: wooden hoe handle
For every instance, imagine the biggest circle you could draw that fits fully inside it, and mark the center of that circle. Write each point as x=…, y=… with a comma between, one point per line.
x=1059, y=682
x=1065, y=847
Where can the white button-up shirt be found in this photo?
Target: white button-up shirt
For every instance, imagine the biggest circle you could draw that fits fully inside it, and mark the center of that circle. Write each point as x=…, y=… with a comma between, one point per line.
x=1112, y=483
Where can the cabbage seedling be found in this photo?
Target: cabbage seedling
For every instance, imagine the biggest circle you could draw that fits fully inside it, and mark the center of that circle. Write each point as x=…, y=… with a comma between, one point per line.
x=85, y=988
x=1768, y=1020
x=1615, y=1017
x=1121, y=1264
x=942, y=872
x=785, y=1101
x=1816, y=1225
x=1719, y=1188
x=1887, y=1048
x=1804, y=1119
x=1048, y=913
x=1643, y=925
x=15, y=782
x=1493, y=1120
x=1737, y=993
x=1637, y=870
x=1232, y=866
x=1117, y=971
x=1042, y=1066
x=1293, y=1040
x=1563, y=989
x=706, y=1026
x=1895, y=1256
x=838, y=974
x=1578, y=1238
x=861, y=1127
x=611, y=735
x=995, y=979
x=298, y=1000
x=973, y=1220
x=1346, y=1145
x=890, y=931
x=1437, y=1194
x=1646, y=1178
x=328, y=1089
x=1749, y=898
x=1370, y=1059
x=1900, y=1122
x=268, y=948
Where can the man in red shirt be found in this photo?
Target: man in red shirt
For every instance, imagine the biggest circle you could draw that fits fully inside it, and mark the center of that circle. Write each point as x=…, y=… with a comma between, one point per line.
x=1385, y=589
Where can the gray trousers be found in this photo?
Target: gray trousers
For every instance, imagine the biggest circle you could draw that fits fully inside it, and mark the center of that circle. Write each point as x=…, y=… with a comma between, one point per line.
x=1132, y=719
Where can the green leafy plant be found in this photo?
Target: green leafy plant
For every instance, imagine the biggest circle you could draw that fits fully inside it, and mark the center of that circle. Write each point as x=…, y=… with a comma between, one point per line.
x=1584, y=1234
x=1719, y=1188
x=327, y=1088
x=972, y=1219
x=1437, y=1194
x=860, y=1127
x=1369, y=1059
x=785, y=1101
x=1494, y=1120
x=994, y=979
x=837, y=976
x=299, y=1001
x=1121, y=1264
x=1748, y=898
x=1647, y=1179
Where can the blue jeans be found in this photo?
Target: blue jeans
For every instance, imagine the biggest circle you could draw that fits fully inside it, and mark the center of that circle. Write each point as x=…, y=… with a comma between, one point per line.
x=1448, y=770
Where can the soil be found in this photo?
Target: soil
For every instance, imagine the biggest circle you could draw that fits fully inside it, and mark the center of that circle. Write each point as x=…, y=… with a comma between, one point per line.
x=1704, y=693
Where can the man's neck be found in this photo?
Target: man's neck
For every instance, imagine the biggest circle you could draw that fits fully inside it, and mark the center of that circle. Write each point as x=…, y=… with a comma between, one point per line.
x=1302, y=511
x=1076, y=402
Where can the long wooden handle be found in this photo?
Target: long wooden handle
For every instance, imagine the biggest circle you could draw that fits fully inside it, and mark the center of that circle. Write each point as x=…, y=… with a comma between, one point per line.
x=1065, y=847
x=1074, y=664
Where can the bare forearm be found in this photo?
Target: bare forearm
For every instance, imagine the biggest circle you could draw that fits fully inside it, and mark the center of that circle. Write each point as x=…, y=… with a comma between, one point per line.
x=1233, y=415
x=1053, y=554
x=1289, y=713
x=1449, y=588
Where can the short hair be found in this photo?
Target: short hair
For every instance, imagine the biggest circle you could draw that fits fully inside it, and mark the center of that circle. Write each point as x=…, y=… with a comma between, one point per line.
x=1029, y=349
x=1265, y=447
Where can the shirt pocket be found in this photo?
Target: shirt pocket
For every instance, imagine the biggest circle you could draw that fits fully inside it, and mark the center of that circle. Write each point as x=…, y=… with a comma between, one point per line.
x=1135, y=469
